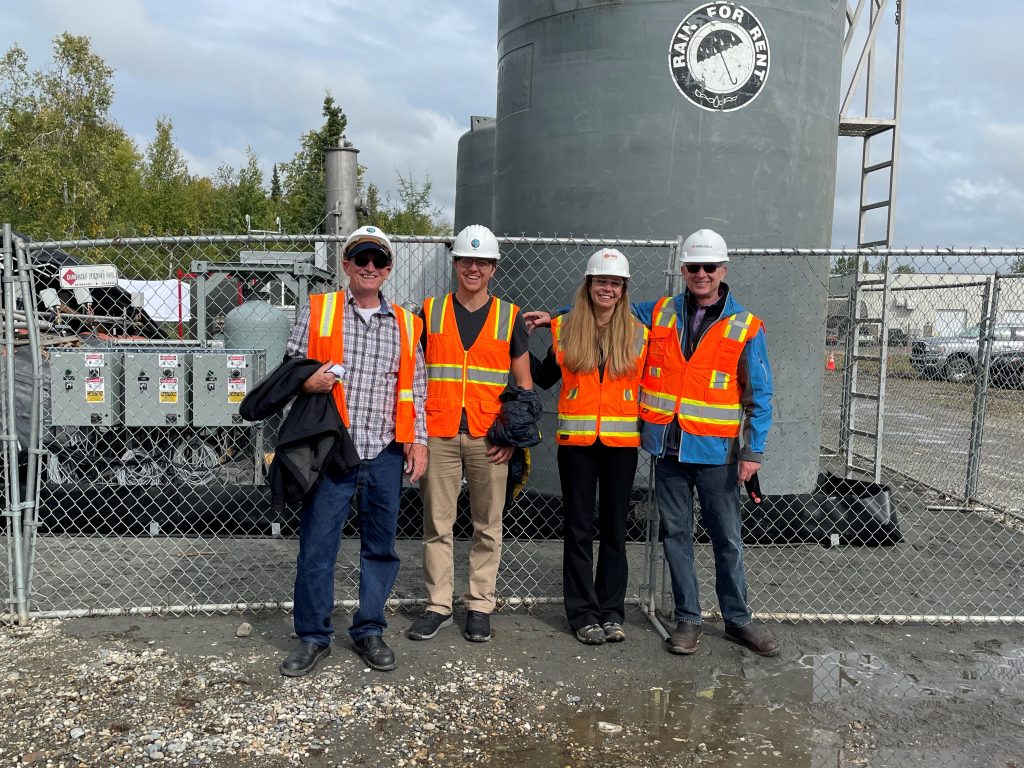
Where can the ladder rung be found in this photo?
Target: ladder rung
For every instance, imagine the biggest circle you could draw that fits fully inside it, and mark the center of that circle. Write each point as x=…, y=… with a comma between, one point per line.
x=862, y=470
x=868, y=320
x=872, y=244
x=865, y=396
x=873, y=206
x=863, y=433
x=867, y=358
x=878, y=166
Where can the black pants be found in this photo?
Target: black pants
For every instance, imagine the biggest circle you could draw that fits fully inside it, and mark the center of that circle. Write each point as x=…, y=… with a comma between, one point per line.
x=581, y=470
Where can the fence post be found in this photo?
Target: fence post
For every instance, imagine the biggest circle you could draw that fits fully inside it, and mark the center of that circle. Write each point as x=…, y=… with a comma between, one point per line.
x=989, y=312
x=10, y=435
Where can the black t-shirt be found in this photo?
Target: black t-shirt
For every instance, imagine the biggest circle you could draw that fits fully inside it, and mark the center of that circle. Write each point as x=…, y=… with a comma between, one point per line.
x=470, y=323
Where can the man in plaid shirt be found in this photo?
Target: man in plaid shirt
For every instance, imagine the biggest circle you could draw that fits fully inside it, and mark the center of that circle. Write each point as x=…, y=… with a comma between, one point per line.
x=378, y=380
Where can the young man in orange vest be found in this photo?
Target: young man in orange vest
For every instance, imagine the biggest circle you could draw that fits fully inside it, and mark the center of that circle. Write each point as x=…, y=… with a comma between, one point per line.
x=472, y=341
x=706, y=375
x=373, y=367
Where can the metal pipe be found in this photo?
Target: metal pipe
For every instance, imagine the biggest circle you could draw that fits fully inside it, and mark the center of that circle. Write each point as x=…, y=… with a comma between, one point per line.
x=989, y=312
x=30, y=502
x=10, y=436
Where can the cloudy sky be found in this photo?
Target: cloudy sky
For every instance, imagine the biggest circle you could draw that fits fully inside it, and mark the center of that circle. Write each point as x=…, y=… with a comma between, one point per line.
x=409, y=73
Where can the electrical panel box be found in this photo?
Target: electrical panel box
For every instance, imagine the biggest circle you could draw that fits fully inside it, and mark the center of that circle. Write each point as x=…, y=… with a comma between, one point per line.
x=156, y=388
x=85, y=388
x=219, y=382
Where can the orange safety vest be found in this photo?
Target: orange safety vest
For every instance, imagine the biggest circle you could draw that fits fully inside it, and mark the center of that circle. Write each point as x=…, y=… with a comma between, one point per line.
x=702, y=391
x=326, y=342
x=471, y=378
x=589, y=408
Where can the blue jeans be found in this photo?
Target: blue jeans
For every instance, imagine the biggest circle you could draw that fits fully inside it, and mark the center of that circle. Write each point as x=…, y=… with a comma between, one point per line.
x=674, y=483
x=378, y=483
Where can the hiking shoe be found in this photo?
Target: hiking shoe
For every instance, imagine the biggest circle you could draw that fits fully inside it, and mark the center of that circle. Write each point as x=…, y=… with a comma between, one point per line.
x=592, y=634
x=478, y=627
x=428, y=625
x=613, y=632
x=755, y=637
x=684, y=638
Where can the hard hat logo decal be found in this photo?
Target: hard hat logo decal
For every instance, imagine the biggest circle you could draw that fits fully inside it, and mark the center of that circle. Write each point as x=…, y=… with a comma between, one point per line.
x=475, y=243
x=371, y=230
x=719, y=57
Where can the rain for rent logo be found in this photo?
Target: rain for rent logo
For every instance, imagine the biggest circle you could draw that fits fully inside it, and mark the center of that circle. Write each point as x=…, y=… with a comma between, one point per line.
x=719, y=57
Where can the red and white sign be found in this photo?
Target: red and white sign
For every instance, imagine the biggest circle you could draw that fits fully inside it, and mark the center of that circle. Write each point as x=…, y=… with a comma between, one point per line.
x=89, y=276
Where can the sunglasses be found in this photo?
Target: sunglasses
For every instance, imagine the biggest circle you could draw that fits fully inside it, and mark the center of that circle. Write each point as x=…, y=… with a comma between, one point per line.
x=710, y=269
x=379, y=260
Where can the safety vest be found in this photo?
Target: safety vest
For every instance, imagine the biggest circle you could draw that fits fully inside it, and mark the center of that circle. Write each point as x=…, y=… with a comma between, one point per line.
x=589, y=408
x=702, y=391
x=470, y=379
x=326, y=342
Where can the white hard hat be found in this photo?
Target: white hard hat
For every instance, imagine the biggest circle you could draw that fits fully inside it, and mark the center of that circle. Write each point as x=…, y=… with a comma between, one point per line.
x=476, y=241
x=705, y=246
x=368, y=234
x=608, y=261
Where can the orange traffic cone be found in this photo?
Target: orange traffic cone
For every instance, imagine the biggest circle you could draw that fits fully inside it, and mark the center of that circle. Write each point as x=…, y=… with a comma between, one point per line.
x=831, y=364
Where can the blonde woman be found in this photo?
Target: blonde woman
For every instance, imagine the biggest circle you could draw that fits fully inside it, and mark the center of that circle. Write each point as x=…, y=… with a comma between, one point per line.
x=597, y=351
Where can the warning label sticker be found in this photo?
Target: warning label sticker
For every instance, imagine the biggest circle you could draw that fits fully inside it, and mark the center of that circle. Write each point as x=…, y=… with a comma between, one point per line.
x=94, y=360
x=238, y=361
x=168, y=360
x=169, y=391
x=236, y=390
x=95, y=391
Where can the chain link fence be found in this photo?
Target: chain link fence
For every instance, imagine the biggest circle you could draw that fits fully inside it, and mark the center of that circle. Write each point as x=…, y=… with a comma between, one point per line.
x=146, y=494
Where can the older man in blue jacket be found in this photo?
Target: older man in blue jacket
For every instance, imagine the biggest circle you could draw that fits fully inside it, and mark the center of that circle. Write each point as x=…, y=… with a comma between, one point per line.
x=706, y=383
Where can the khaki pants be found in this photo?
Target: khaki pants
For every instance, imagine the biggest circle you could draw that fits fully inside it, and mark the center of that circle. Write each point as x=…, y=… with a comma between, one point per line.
x=450, y=457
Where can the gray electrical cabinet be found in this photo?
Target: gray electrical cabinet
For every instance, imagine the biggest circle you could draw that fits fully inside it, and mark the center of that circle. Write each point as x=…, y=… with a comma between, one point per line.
x=219, y=382
x=85, y=388
x=156, y=388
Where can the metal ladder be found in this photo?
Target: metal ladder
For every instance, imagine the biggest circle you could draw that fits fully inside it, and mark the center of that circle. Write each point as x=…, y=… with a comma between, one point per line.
x=858, y=394
x=881, y=134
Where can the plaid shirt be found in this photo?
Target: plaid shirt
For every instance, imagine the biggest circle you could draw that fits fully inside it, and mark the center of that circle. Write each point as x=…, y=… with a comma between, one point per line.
x=371, y=377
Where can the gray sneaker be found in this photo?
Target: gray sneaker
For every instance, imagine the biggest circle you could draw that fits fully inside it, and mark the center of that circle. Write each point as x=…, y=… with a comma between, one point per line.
x=428, y=625
x=592, y=634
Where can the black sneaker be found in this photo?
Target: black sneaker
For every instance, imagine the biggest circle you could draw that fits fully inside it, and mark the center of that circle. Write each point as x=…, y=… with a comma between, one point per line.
x=478, y=627
x=428, y=625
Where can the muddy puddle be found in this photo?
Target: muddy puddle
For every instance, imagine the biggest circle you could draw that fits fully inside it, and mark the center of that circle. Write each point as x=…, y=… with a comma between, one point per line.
x=758, y=718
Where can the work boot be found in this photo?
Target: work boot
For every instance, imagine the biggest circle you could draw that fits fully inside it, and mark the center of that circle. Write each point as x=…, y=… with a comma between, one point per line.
x=755, y=637
x=304, y=659
x=684, y=638
x=428, y=625
x=375, y=652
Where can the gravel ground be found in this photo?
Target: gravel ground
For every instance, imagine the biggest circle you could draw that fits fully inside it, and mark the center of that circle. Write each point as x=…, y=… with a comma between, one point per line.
x=206, y=691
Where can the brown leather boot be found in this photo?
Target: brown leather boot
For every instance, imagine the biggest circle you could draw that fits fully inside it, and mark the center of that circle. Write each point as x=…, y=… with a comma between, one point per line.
x=755, y=637
x=684, y=638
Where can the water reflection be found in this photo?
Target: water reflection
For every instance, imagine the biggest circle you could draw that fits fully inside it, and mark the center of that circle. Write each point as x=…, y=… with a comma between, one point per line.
x=758, y=718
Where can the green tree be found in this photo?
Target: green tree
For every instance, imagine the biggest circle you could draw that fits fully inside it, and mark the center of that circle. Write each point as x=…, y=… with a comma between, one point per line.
x=414, y=213
x=169, y=201
x=905, y=269
x=66, y=168
x=1018, y=265
x=304, y=182
x=847, y=265
x=275, y=185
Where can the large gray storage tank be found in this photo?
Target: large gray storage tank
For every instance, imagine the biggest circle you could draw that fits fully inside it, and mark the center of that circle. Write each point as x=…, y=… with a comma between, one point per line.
x=474, y=185
x=654, y=118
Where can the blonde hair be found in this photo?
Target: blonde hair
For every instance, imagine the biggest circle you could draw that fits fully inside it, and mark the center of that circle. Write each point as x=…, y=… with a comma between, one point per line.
x=585, y=345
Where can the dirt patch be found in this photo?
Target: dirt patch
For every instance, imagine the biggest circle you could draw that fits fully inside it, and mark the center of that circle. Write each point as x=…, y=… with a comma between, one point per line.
x=186, y=691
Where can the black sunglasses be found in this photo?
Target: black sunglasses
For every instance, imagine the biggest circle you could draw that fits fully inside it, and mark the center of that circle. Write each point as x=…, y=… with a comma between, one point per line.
x=380, y=260
x=693, y=269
